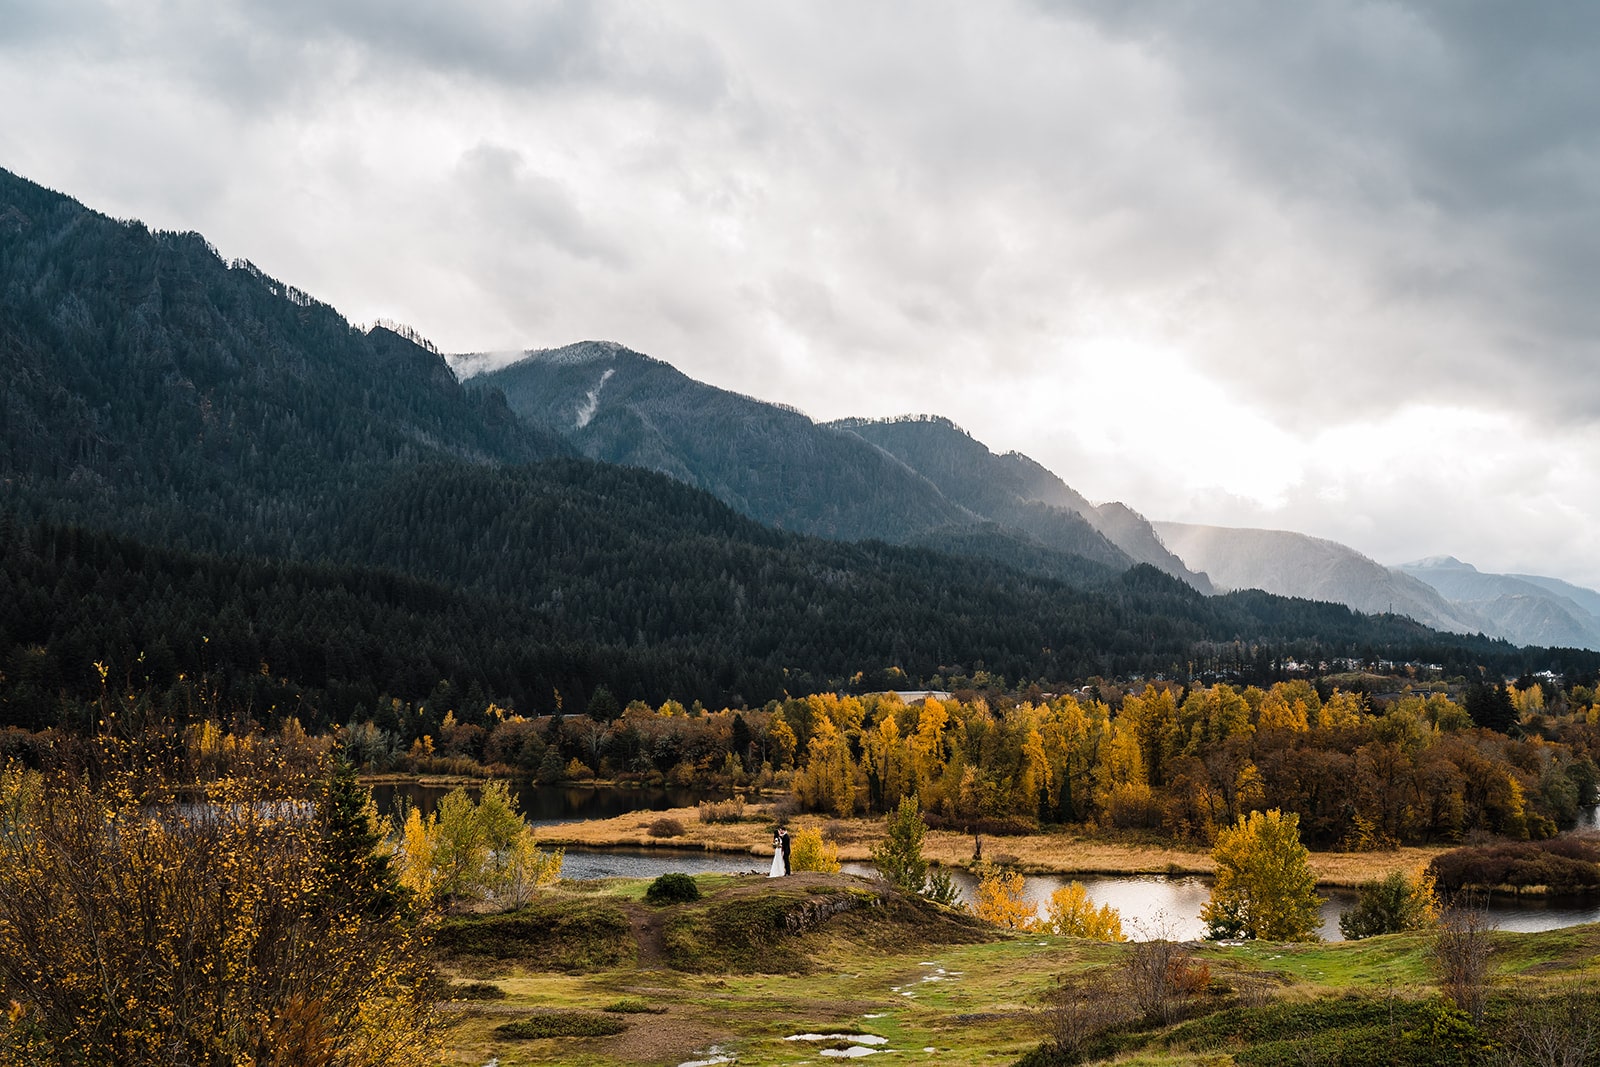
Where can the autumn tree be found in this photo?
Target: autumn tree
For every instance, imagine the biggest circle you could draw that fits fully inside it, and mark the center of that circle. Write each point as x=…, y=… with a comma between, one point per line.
x=809, y=852
x=474, y=851
x=1071, y=913
x=1000, y=899
x=147, y=918
x=1390, y=905
x=827, y=782
x=898, y=856
x=1264, y=886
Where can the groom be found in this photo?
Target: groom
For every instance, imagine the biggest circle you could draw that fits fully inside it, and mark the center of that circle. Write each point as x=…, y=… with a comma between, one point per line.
x=783, y=839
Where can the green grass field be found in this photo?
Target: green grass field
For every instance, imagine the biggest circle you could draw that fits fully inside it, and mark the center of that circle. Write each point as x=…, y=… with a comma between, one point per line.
x=754, y=963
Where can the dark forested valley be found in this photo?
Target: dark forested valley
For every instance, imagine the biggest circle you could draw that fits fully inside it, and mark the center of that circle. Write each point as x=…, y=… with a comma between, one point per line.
x=210, y=475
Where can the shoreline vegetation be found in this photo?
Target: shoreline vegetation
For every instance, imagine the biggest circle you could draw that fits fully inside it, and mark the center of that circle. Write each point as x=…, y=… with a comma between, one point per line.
x=1062, y=853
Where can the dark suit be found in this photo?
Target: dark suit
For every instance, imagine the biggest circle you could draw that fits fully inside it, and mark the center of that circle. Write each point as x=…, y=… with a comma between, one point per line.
x=786, y=842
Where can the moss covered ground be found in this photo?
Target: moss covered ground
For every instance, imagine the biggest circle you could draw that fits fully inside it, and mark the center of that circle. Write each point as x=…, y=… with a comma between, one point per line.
x=755, y=962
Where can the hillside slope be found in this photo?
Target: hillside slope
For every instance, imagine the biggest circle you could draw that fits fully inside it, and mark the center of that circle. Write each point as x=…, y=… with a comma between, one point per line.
x=153, y=387
x=1297, y=565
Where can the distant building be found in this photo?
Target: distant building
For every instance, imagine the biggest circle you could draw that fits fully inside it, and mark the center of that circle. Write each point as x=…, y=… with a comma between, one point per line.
x=917, y=696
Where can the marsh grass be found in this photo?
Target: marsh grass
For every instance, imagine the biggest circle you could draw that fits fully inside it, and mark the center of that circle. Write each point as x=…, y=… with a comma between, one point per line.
x=1050, y=852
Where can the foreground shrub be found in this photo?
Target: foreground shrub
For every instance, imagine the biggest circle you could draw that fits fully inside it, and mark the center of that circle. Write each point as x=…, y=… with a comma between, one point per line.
x=673, y=888
x=1391, y=905
x=147, y=917
x=474, y=991
x=1082, y=1008
x=562, y=1024
x=1461, y=956
x=633, y=1006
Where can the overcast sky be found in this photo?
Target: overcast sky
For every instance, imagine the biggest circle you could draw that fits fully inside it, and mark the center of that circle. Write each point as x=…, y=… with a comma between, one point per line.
x=1327, y=265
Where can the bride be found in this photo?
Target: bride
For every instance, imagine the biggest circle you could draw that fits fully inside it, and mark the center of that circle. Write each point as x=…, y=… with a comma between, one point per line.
x=777, y=857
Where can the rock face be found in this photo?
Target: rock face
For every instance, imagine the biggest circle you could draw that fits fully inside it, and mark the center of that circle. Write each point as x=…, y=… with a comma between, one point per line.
x=1523, y=609
x=1297, y=565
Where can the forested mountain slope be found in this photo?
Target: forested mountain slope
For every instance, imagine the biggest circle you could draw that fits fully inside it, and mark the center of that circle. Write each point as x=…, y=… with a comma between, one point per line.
x=152, y=387
x=764, y=460
x=1018, y=492
x=919, y=481
x=209, y=476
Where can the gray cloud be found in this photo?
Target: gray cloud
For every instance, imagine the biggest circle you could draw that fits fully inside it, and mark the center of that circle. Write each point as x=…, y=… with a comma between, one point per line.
x=1195, y=256
x=1447, y=151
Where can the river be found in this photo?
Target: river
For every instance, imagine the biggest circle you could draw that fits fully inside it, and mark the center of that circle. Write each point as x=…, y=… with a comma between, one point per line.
x=1151, y=906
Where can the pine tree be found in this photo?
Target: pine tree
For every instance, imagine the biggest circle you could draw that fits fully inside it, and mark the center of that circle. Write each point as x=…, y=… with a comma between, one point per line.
x=899, y=856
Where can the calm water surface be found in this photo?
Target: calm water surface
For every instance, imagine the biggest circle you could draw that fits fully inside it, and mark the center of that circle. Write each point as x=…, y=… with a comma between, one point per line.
x=1151, y=906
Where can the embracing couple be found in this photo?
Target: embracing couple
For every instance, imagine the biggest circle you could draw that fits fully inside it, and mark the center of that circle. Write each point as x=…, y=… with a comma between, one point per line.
x=780, y=854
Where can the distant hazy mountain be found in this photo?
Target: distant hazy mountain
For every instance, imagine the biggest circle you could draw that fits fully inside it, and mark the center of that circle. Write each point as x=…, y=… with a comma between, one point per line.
x=1294, y=564
x=1015, y=491
x=1587, y=599
x=1526, y=610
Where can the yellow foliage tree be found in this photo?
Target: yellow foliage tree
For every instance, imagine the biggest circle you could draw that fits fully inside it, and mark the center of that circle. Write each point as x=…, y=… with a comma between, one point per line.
x=828, y=780
x=1264, y=886
x=1071, y=913
x=1000, y=899
x=474, y=851
x=809, y=852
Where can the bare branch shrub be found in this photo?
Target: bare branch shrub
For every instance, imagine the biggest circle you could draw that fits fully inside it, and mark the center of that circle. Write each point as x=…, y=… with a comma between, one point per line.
x=1561, y=1031
x=1081, y=1008
x=1149, y=970
x=1461, y=955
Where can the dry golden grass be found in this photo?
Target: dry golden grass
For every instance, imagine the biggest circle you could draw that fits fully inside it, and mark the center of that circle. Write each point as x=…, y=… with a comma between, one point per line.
x=1055, y=853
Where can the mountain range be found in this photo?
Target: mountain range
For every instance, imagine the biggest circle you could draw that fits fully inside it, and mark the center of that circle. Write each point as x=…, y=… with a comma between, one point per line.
x=918, y=480
x=923, y=480
x=208, y=473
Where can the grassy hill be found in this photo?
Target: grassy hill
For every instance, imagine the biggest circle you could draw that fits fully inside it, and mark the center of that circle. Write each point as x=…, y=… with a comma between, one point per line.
x=754, y=963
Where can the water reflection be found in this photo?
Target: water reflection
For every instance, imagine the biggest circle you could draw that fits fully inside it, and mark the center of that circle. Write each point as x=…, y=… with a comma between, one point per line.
x=1150, y=905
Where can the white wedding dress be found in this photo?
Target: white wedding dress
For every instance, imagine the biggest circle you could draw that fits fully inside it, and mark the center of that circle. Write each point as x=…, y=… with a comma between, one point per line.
x=777, y=860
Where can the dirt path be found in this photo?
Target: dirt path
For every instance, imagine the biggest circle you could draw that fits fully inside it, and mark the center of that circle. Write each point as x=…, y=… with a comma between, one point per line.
x=648, y=935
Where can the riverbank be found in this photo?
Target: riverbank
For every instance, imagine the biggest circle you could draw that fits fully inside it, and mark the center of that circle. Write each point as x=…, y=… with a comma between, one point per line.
x=1062, y=853
x=758, y=972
